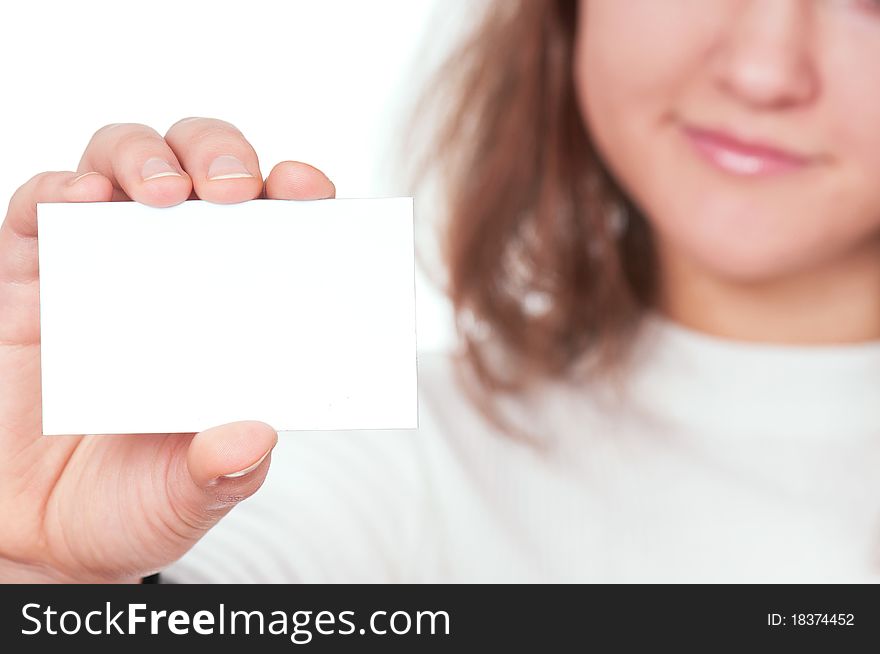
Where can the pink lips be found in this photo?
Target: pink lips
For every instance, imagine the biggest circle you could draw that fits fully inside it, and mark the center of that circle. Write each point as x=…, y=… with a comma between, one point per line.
x=742, y=158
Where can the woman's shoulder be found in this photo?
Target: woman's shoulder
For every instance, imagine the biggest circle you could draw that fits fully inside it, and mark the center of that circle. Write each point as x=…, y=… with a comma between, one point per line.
x=440, y=389
x=451, y=402
x=455, y=407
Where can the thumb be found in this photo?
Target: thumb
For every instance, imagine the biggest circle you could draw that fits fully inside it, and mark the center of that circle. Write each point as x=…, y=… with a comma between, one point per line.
x=223, y=466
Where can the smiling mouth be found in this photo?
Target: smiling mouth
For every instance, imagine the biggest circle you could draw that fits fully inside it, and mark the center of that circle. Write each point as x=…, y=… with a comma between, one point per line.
x=742, y=158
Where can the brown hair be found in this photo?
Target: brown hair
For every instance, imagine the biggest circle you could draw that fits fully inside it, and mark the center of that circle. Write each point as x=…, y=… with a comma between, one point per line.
x=538, y=258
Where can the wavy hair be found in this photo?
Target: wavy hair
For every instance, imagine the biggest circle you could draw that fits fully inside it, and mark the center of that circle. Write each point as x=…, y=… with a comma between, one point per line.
x=549, y=263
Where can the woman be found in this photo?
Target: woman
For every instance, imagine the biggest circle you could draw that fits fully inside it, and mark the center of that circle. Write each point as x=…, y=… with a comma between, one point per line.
x=664, y=257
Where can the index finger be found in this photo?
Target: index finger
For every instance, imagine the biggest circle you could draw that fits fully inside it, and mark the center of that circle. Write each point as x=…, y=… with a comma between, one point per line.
x=139, y=163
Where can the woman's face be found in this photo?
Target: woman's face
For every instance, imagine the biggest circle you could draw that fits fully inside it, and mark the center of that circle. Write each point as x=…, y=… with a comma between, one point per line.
x=748, y=131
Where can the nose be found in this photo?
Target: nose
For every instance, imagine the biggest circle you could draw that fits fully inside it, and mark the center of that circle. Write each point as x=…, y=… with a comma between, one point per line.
x=765, y=58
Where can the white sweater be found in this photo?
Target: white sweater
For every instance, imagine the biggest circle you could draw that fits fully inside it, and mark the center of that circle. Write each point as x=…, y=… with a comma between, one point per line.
x=721, y=462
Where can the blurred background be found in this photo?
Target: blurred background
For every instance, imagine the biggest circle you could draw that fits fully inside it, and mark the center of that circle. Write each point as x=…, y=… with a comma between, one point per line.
x=331, y=83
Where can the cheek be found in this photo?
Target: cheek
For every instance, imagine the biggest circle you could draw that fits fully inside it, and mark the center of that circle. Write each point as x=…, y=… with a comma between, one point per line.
x=852, y=109
x=630, y=58
x=627, y=95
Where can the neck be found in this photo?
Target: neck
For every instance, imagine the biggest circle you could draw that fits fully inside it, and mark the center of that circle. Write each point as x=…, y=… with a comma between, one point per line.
x=838, y=302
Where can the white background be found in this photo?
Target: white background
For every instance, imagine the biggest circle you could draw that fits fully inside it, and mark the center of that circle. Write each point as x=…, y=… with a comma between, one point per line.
x=323, y=81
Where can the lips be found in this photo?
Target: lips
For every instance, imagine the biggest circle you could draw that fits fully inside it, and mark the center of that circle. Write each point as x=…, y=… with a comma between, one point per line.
x=743, y=158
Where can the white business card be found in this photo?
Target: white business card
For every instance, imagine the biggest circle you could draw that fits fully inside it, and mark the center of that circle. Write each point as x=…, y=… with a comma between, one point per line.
x=160, y=320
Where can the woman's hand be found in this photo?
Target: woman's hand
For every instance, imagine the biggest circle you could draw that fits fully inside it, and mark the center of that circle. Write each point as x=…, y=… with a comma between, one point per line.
x=117, y=508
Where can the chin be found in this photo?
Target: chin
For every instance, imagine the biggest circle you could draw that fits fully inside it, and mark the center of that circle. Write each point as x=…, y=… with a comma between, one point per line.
x=743, y=246
x=744, y=264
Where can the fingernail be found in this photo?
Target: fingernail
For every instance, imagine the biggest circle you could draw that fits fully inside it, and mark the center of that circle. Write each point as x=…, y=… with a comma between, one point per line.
x=227, y=167
x=154, y=167
x=250, y=468
x=79, y=177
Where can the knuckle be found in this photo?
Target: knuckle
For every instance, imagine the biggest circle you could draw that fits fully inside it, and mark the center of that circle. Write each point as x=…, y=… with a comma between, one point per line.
x=136, y=142
x=102, y=131
x=32, y=191
x=123, y=131
x=214, y=136
x=37, y=185
x=119, y=140
x=186, y=119
x=201, y=130
x=28, y=190
x=137, y=145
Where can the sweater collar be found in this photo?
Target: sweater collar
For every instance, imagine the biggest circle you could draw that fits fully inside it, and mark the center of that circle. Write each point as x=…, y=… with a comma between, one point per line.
x=694, y=380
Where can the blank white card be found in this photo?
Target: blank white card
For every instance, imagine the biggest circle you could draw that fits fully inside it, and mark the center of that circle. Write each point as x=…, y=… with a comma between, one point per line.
x=158, y=320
